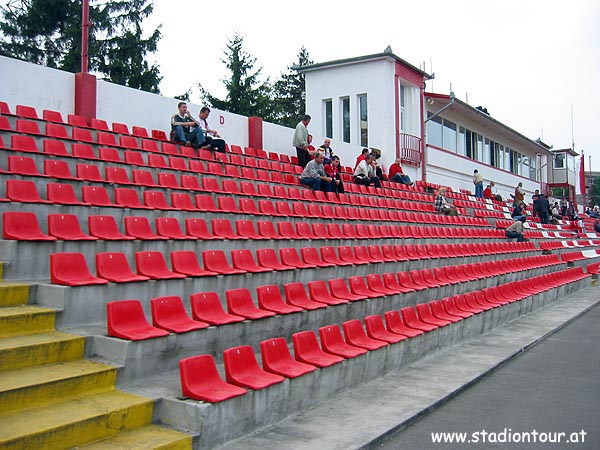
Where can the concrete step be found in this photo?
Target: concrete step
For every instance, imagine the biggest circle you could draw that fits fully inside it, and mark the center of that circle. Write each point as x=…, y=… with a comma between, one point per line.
x=25, y=319
x=13, y=294
x=74, y=422
x=151, y=437
x=45, y=385
x=29, y=350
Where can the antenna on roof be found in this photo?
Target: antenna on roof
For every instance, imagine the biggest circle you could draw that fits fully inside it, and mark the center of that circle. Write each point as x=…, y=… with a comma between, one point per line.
x=431, y=70
x=467, y=98
x=572, y=130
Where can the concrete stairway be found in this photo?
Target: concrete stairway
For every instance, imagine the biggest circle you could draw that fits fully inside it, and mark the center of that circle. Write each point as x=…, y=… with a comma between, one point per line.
x=52, y=398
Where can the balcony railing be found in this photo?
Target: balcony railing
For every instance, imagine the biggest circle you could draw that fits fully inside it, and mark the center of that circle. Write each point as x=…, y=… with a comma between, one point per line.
x=410, y=149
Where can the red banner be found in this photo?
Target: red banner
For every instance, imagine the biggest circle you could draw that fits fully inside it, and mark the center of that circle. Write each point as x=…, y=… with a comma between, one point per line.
x=582, y=175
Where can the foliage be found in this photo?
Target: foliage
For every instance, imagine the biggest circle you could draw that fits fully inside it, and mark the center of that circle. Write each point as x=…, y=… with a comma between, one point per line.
x=246, y=95
x=289, y=93
x=48, y=32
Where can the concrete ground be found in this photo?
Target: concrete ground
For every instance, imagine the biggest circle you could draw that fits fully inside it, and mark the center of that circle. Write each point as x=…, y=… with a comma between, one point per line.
x=552, y=388
x=367, y=416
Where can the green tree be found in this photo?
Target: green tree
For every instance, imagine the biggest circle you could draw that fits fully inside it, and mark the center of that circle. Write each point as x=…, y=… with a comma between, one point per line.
x=289, y=93
x=246, y=95
x=595, y=192
x=48, y=32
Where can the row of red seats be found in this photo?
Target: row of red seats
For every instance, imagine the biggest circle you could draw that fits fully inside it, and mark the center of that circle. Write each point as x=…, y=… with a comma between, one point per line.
x=25, y=226
x=200, y=379
x=60, y=193
x=71, y=269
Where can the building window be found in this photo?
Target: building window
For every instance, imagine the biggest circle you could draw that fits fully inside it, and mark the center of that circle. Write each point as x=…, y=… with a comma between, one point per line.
x=449, y=135
x=559, y=161
x=402, y=108
x=434, y=131
x=364, y=123
x=328, y=118
x=346, y=119
x=481, y=155
x=462, y=141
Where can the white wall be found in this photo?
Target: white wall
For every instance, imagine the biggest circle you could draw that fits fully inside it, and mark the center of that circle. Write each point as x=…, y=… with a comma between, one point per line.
x=23, y=83
x=374, y=78
x=456, y=171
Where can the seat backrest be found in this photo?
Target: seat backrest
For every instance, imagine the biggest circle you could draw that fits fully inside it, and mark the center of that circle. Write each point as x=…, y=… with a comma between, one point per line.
x=22, y=226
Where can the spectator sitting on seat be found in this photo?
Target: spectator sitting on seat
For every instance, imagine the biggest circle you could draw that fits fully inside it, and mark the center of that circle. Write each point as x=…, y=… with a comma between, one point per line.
x=379, y=170
x=365, y=172
x=184, y=130
x=326, y=150
x=519, y=211
x=516, y=230
x=576, y=226
x=333, y=170
x=442, y=205
x=311, y=148
x=556, y=211
x=363, y=155
x=314, y=175
x=397, y=175
x=597, y=226
x=211, y=137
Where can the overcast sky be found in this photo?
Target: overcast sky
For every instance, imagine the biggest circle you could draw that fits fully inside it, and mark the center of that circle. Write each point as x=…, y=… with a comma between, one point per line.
x=529, y=62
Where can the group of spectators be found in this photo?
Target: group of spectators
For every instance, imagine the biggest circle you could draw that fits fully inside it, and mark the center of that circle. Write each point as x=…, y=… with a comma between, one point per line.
x=321, y=167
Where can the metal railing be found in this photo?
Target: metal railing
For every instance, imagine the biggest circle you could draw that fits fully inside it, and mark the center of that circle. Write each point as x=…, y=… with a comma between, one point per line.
x=410, y=149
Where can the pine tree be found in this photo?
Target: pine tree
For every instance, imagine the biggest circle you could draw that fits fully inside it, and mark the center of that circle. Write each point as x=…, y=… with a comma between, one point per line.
x=289, y=93
x=48, y=32
x=246, y=95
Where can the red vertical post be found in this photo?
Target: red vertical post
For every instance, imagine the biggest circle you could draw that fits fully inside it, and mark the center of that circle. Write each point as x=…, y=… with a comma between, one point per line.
x=85, y=24
x=255, y=132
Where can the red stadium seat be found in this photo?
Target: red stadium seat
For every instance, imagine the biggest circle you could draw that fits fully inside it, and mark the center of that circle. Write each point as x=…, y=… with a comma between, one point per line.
x=153, y=265
x=186, y=263
x=242, y=369
x=425, y=315
x=99, y=124
x=82, y=135
x=200, y=380
x=245, y=228
x=410, y=319
x=223, y=228
x=339, y=289
x=23, y=191
x=267, y=257
x=113, y=266
x=23, y=226
x=329, y=255
x=23, y=165
x=295, y=295
x=23, y=144
x=66, y=227
x=376, y=330
x=143, y=178
x=289, y=256
x=307, y=350
x=134, y=158
x=128, y=198
x=355, y=335
x=117, y=175
x=269, y=299
x=239, y=302
x=139, y=131
x=182, y=201
x=394, y=324
x=205, y=202
x=359, y=287
x=126, y=320
x=333, y=343
x=156, y=200
x=56, y=168
x=96, y=196
x=276, y=358
x=169, y=314
x=62, y=194
x=311, y=256
x=57, y=131
x=129, y=142
x=77, y=120
x=83, y=151
x=242, y=259
x=56, y=148
x=318, y=292
x=70, y=269
x=139, y=228
x=89, y=172
x=207, y=307
x=28, y=112
x=105, y=228
x=169, y=227
x=215, y=261
x=197, y=227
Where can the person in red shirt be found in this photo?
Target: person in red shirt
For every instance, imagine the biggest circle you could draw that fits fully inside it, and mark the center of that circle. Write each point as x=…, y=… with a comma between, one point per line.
x=333, y=170
x=361, y=157
x=396, y=174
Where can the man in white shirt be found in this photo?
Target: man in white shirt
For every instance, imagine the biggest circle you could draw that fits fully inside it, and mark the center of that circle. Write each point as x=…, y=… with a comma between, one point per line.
x=211, y=137
x=365, y=172
x=300, y=141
